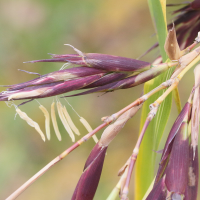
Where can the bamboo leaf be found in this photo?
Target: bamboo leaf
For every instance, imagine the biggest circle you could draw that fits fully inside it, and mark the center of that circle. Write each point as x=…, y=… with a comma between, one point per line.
x=146, y=159
x=177, y=99
x=149, y=190
x=158, y=13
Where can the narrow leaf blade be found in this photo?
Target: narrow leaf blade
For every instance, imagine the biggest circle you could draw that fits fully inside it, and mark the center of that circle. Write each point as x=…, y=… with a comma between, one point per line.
x=146, y=158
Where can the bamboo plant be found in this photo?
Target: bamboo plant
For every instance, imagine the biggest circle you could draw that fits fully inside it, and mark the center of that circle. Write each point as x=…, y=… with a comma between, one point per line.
x=177, y=175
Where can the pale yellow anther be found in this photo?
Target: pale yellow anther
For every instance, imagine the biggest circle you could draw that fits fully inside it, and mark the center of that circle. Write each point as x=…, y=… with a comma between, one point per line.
x=54, y=121
x=64, y=121
x=32, y=123
x=69, y=120
x=47, y=121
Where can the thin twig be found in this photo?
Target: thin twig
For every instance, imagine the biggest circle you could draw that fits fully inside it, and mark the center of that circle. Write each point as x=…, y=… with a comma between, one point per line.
x=135, y=154
x=53, y=162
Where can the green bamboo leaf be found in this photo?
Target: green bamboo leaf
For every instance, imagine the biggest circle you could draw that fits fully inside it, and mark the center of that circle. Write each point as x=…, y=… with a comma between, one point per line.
x=176, y=97
x=114, y=194
x=146, y=159
x=145, y=164
x=158, y=14
x=149, y=189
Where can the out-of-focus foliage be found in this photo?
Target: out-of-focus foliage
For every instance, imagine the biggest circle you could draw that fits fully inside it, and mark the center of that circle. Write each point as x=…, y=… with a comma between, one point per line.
x=29, y=30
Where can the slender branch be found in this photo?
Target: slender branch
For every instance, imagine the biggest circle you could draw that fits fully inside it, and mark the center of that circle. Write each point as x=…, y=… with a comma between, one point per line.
x=188, y=49
x=53, y=162
x=135, y=153
x=186, y=69
x=174, y=81
x=187, y=62
x=165, y=94
x=115, y=192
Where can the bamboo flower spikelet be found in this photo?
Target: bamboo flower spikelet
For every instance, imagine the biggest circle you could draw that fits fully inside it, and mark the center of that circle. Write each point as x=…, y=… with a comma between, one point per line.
x=178, y=171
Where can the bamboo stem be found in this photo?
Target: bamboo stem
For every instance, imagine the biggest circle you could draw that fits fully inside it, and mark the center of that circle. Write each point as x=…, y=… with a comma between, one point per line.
x=135, y=154
x=21, y=189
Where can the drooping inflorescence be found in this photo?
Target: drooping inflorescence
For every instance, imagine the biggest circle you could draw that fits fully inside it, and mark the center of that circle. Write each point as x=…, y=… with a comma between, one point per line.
x=177, y=174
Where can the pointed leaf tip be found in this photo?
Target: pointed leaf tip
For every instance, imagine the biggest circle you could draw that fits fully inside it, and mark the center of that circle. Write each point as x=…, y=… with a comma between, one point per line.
x=87, y=185
x=159, y=192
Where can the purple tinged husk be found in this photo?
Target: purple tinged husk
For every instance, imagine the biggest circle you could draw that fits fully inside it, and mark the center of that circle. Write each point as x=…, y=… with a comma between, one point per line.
x=159, y=192
x=115, y=63
x=108, y=78
x=195, y=109
x=78, y=78
x=95, y=151
x=181, y=36
x=193, y=34
x=100, y=72
x=50, y=89
x=188, y=18
x=57, y=76
x=177, y=168
x=101, y=61
x=161, y=170
x=175, y=128
x=128, y=82
x=185, y=113
x=195, y=5
x=193, y=176
x=187, y=23
x=179, y=164
x=88, y=182
x=61, y=58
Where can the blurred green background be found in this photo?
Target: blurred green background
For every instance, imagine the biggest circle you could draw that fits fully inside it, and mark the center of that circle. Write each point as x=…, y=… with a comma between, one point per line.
x=29, y=29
